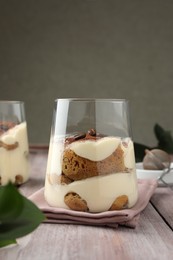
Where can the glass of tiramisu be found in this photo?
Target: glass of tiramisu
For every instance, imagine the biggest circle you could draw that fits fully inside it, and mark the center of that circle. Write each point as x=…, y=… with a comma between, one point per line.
x=14, y=166
x=91, y=162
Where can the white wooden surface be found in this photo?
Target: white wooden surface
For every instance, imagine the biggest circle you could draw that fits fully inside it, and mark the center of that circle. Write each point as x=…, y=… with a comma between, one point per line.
x=152, y=238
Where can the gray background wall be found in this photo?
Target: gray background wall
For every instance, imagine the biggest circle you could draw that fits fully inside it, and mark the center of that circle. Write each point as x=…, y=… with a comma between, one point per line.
x=90, y=48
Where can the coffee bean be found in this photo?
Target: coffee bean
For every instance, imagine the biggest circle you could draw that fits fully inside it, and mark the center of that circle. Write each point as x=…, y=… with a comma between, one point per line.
x=75, y=137
x=92, y=132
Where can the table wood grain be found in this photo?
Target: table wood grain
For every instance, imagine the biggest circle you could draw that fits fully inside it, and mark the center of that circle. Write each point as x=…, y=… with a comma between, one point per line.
x=151, y=239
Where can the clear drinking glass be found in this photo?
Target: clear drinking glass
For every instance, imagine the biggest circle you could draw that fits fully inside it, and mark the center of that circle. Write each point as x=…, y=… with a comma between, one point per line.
x=14, y=164
x=91, y=162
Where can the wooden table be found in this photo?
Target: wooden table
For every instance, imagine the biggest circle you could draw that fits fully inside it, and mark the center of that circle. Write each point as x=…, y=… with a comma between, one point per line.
x=152, y=238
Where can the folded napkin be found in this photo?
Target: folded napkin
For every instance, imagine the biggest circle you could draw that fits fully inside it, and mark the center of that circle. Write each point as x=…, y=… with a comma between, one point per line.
x=125, y=217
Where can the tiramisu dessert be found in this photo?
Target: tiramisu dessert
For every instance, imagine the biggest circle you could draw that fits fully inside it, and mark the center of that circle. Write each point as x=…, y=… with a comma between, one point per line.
x=13, y=153
x=91, y=172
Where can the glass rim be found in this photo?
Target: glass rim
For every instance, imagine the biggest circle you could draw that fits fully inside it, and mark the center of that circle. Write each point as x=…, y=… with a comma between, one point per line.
x=93, y=99
x=11, y=102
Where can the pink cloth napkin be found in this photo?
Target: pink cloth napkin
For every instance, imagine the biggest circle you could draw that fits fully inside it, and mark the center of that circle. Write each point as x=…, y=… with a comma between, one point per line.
x=126, y=217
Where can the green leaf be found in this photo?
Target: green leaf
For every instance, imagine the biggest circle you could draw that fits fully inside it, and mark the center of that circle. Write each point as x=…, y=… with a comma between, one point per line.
x=140, y=151
x=7, y=242
x=27, y=218
x=11, y=203
x=165, y=140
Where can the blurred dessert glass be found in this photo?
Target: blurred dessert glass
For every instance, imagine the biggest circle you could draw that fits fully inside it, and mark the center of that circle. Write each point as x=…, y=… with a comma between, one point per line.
x=14, y=165
x=91, y=162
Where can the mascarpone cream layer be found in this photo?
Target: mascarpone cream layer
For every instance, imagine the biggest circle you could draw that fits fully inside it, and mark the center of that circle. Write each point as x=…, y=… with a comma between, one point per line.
x=95, y=150
x=99, y=192
x=14, y=162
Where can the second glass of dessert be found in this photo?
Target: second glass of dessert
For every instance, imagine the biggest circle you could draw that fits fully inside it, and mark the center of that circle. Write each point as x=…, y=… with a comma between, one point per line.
x=91, y=162
x=14, y=165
